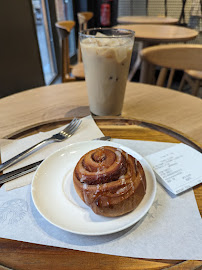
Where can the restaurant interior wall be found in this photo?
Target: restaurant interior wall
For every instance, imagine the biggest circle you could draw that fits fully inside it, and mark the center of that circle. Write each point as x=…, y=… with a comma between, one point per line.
x=192, y=10
x=171, y=8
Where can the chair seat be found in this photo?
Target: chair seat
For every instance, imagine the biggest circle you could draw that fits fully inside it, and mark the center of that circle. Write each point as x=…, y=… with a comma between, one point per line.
x=68, y=78
x=78, y=71
x=194, y=73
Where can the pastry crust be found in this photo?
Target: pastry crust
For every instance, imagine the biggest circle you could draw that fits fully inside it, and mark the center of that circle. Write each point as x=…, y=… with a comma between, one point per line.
x=110, y=181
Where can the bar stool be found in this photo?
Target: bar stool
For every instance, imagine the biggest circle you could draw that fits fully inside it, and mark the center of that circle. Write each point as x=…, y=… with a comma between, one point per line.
x=68, y=74
x=83, y=18
x=78, y=69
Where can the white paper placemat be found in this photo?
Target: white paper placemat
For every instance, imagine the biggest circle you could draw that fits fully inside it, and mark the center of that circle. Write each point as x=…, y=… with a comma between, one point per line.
x=88, y=130
x=170, y=230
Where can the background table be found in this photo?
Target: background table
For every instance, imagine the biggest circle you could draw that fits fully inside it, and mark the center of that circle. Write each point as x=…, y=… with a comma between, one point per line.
x=40, y=109
x=152, y=34
x=146, y=20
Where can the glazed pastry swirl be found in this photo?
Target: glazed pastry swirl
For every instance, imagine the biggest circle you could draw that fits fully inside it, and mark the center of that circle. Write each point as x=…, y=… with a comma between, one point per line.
x=110, y=181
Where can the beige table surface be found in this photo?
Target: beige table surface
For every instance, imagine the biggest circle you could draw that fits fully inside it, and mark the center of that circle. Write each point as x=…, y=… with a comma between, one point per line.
x=168, y=108
x=146, y=20
x=152, y=34
x=177, y=111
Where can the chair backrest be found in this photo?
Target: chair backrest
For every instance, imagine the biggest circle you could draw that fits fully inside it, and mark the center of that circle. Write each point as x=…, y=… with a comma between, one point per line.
x=83, y=18
x=174, y=56
x=64, y=28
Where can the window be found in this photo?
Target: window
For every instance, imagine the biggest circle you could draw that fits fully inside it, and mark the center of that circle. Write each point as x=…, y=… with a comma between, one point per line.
x=45, y=39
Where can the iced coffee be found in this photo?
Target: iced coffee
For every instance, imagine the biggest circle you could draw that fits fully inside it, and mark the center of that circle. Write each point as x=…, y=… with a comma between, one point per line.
x=106, y=55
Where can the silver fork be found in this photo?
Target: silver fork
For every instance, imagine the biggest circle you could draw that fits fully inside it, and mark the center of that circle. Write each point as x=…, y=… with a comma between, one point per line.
x=59, y=137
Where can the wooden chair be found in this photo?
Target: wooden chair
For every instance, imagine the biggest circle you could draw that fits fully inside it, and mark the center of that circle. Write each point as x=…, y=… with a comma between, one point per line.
x=193, y=78
x=78, y=69
x=83, y=18
x=173, y=56
x=69, y=73
x=64, y=28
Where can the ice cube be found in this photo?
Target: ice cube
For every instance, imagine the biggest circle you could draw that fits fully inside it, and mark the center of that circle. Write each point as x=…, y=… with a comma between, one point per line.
x=103, y=42
x=121, y=53
x=106, y=52
x=98, y=34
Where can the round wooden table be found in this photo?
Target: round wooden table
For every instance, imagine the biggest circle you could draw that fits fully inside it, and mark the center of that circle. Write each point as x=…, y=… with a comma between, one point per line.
x=149, y=113
x=146, y=20
x=154, y=34
x=151, y=34
x=165, y=107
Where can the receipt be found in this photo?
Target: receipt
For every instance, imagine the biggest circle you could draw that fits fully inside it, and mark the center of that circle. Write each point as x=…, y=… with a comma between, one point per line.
x=177, y=168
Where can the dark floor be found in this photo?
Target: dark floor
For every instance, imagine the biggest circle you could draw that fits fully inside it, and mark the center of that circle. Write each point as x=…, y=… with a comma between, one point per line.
x=175, y=84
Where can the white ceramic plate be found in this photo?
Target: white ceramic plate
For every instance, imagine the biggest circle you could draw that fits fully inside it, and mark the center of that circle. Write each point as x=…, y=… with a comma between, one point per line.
x=55, y=198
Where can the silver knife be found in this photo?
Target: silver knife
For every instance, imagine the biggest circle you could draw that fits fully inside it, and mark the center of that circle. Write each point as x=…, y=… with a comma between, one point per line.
x=6, y=177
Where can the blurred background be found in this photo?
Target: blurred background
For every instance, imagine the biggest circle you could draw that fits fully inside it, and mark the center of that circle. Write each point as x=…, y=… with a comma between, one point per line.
x=30, y=48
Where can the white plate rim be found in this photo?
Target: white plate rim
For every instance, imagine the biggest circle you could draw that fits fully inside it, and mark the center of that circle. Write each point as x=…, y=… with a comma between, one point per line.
x=94, y=145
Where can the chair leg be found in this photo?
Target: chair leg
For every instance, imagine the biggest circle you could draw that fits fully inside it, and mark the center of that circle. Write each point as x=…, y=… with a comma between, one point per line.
x=162, y=77
x=137, y=63
x=196, y=87
x=182, y=83
x=170, y=79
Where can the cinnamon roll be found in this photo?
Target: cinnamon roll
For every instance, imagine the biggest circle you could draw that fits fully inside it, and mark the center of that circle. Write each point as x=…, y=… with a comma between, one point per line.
x=110, y=181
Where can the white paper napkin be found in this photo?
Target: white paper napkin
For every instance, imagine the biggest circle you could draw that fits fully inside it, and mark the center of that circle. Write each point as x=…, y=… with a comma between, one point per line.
x=88, y=130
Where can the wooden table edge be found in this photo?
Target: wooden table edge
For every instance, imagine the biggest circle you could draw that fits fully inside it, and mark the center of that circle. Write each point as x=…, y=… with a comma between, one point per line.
x=171, y=264
x=137, y=121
